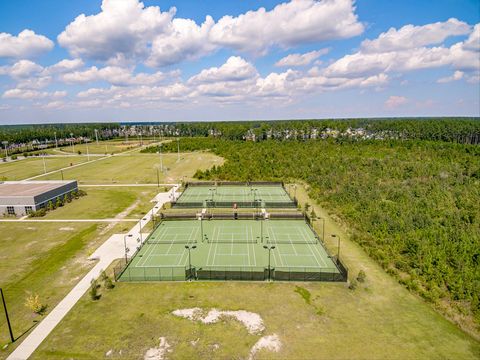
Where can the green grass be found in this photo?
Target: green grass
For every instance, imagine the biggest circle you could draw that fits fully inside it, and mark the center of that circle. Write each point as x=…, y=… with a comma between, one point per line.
x=107, y=202
x=22, y=169
x=365, y=324
x=43, y=258
x=104, y=147
x=139, y=168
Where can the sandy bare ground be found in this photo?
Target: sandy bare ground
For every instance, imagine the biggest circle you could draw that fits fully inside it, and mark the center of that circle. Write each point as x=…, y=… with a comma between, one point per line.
x=159, y=352
x=269, y=342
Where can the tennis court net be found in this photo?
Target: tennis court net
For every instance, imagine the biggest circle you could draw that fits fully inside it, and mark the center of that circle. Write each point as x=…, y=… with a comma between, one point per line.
x=171, y=241
x=292, y=241
x=232, y=241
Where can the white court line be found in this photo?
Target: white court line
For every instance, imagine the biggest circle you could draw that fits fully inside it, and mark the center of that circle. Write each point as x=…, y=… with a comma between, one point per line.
x=248, y=246
x=253, y=247
x=310, y=246
x=272, y=234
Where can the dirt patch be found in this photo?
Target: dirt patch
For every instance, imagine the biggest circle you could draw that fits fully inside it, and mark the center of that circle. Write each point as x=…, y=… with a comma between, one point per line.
x=269, y=343
x=159, y=352
x=66, y=229
x=252, y=321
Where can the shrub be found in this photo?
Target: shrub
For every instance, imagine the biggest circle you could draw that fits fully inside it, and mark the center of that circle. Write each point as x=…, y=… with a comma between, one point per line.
x=25, y=154
x=33, y=303
x=14, y=157
x=94, y=290
x=39, y=213
x=361, y=276
x=353, y=284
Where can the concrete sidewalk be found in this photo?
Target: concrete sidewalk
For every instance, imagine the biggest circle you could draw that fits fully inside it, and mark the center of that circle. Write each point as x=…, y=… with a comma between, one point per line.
x=110, y=250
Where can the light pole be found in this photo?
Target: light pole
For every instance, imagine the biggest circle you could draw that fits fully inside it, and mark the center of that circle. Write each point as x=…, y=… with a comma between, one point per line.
x=56, y=142
x=161, y=157
x=5, y=143
x=201, y=227
x=88, y=153
x=269, y=248
x=96, y=135
x=338, y=245
x=6, y=315
x=189, y=248
x=178, y=150
x=44, y=166
x=323, y=228
x=73, y=143
x=125, y=245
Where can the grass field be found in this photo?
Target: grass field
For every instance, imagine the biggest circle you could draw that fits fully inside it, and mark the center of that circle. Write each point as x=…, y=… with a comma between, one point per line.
x=107, y=202
x=46, y=259
x=22, y=169
x=139, y=168
x=327, y=322
x=104, y=147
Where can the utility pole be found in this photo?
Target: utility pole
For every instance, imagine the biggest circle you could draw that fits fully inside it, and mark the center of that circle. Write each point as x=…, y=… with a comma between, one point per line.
x=88, y=153
x=6, y=315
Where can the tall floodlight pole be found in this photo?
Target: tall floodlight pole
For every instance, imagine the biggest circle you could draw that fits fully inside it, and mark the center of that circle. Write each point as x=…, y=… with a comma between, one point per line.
x=189, y=248
x=88, y=153
x=161, y=158
x=338, y=245
x=73, y=143
x=44, y=166
x=125, y=245
x=6, y=315
x=5, y=143
x=269, y=248
x=178, y=149
x=56, y=142
x=201, y=227
x=323, y=228
x=96, y=135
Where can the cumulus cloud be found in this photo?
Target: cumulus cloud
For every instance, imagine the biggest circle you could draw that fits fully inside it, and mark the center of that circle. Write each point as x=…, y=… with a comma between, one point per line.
x=457, y=75
x=27, y=94
x=22, y=69
x=301, y=59
x=183, y=40
x=287, y=24
x=114, y=75
x=235, y=69
x=123, y=29
x=395, y=101
x=126, y=30
x=26, y=45
x=65, y=65
x=378, y=55
x=411, y=36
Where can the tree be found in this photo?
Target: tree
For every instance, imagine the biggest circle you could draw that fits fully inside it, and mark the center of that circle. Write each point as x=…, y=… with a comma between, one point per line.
x=34, y=304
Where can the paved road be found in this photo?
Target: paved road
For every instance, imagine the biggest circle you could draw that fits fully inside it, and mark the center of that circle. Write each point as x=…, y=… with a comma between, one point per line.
x=110, y=250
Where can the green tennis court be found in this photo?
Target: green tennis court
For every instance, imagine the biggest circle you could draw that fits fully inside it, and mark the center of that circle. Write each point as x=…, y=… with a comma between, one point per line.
x=229, y=194
x=231, y=249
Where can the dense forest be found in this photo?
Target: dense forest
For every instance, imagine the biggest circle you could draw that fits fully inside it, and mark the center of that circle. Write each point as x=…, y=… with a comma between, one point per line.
x=460, y=130
x=414, y=205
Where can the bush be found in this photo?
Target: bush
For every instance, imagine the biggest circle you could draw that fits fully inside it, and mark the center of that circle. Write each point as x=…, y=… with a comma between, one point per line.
x=14, y=157
x=361, y=276
x=353, y=284
x=25, y=154
x=39, y=213
x=33, y=303
x=94, y=290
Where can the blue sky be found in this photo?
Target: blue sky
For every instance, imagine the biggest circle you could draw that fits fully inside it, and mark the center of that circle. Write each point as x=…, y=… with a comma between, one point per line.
x=126, y=60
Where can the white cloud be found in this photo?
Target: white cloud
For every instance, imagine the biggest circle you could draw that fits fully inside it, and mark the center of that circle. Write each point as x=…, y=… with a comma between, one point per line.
x=395, y=101
x=23, y=69
x=26, y=45
x=411, y=36
x=27, y=94
x=235, y=69
x=457, y=75
x=287, y=25
x=301, y=59
x=65, y=65
x=114, y=75
x=122, y=30
x=126, y=30
x=183, y=40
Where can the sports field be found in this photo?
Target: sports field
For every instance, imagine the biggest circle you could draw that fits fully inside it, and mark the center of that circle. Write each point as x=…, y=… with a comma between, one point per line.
x=232, y=249
x=240, y=194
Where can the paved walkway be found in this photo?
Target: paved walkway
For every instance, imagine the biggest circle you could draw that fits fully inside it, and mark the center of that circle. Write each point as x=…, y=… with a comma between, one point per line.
x=23, y=219
x=110, y=250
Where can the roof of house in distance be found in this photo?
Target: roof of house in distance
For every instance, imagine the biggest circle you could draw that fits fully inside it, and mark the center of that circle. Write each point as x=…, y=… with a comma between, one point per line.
x=29, y=188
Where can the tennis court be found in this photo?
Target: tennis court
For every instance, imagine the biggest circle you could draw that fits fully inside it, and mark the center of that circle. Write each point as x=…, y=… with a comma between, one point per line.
x=231, y=249
x=227, y=195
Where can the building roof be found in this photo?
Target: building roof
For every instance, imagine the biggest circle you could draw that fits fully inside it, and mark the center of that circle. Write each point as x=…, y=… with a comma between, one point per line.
x=29, y=188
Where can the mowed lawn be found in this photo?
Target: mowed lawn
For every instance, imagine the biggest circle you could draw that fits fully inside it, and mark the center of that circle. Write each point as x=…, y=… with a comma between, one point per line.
x=107, y=202
x=104, y=147
x=47, y=259
x=22, y=169
x=138, y=168
x=335, y=323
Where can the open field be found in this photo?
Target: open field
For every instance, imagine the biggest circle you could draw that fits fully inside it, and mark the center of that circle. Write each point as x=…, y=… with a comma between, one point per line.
x=103, y=147
x=22, y=169
x=139, y=168
x=45, y=259
x=335, y=323
x=107, y=202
